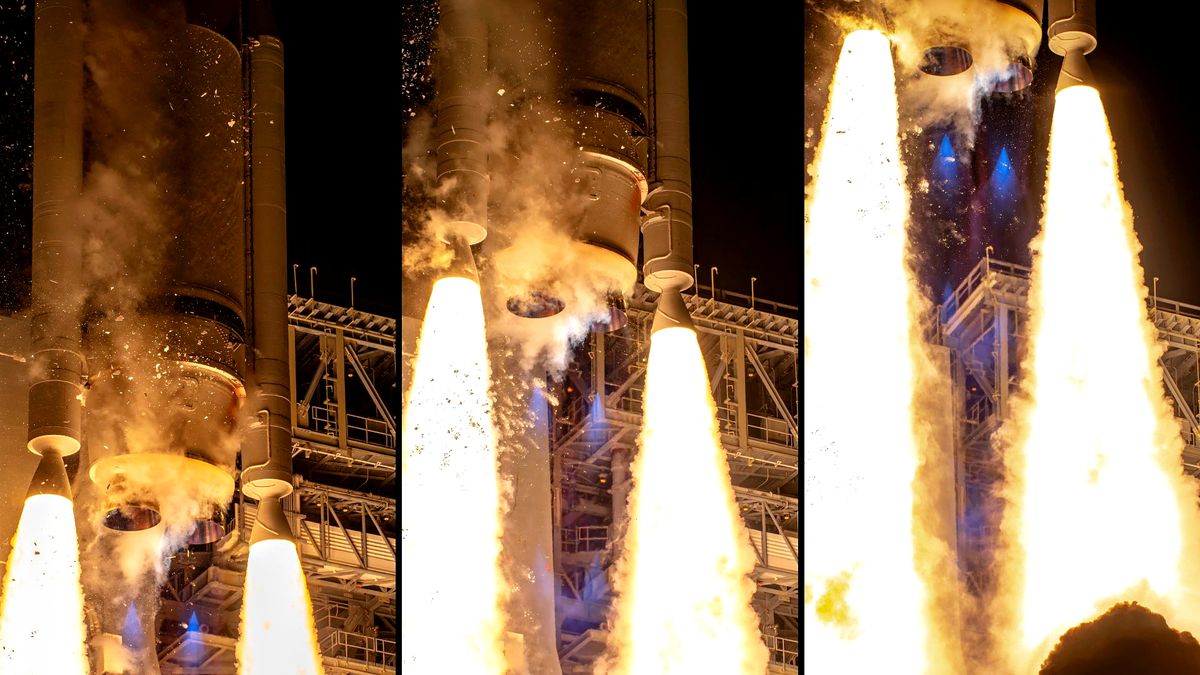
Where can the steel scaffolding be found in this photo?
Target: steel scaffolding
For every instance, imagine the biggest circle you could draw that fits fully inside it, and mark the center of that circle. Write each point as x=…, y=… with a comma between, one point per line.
x=983, y=323
x=343, y=372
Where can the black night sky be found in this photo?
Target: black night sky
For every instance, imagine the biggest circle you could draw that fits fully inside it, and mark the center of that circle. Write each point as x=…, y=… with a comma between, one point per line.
x=744, y=72
x=343, y=147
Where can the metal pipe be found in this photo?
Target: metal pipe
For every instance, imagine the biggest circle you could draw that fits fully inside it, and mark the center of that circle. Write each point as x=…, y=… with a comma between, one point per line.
x=267, y=445
x=462, y=119
x=667, y=241
x=56, y=374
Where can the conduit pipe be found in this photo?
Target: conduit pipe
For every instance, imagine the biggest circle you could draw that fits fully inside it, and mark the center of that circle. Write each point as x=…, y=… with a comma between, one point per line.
x=267, y=446
x=462, y=120
x=667, y=230
x=56, y=373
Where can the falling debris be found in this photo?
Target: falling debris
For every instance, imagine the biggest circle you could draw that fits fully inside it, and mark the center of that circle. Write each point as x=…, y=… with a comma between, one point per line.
x=451, y=619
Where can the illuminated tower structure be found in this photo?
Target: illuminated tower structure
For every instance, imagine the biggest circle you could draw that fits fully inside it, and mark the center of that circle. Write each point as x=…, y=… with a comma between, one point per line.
x=983, y=323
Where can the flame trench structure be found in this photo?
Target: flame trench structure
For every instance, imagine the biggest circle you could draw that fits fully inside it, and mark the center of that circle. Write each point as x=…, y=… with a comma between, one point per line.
x=451, y=581
x=684, y=590
x=41, y=616
x=277, y=635
x=1100, y=510
x=864, y=600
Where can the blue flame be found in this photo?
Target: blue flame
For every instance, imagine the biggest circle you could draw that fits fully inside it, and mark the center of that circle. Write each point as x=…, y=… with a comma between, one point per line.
x=945, y=165
x=131, y=633
x=1004, y=177
x=598, y=404
x=191, y=651
x=595, y=582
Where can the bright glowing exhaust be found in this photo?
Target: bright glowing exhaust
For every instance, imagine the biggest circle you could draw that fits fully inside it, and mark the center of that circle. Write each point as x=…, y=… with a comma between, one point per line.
x=1101, y=510
x=451, y=581
x=682, y=615
x=863, y=598
x=277, y=634
x=41, y=614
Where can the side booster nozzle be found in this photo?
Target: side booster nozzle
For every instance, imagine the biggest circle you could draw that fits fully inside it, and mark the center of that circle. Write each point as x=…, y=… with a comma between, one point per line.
x=270, y=523
x=50, y=478
x=1072, y=34
x=463, y=262
x=1075, y=71
x=671, y=312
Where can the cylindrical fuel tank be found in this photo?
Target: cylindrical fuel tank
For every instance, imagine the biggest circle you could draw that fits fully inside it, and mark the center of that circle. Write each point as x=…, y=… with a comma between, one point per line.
x=178, y=381
x=603, y=88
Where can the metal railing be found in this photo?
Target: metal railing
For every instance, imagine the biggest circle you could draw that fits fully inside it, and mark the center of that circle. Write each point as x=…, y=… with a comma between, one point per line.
x=743, y=300
x=358, y=428
x=1163, y=305
x=975, y=278
x=631, y=401
x=374, y=651
x=585, y=538
x=759, y=427
x=784, y=651
x=988, y=265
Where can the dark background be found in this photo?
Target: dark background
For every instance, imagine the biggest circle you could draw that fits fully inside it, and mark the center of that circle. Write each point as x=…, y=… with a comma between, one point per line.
x=343, y=147
x=747, y=171
x=1144, y=82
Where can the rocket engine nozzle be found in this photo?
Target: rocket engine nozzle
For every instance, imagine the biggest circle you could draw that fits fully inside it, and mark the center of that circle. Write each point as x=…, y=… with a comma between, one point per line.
x=1071, y=26
x=463, y=262
x=617, y=314
x=1075, y=71
x=132, y=518
x=671, y=312
x=50, y=478
x=270, y=522
x=946, y=60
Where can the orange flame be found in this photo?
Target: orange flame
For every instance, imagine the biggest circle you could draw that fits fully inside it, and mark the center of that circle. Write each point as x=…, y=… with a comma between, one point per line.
x=683, y=615
x=451, y=581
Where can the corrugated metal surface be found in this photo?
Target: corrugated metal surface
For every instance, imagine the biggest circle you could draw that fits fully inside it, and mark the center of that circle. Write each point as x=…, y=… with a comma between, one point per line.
x=339, y=548
x=778, y=554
